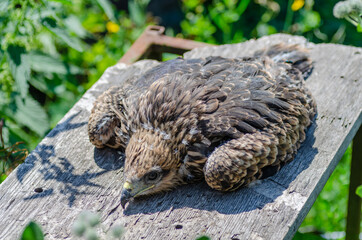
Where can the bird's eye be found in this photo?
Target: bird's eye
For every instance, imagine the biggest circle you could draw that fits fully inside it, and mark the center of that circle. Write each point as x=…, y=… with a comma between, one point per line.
x=152, y=176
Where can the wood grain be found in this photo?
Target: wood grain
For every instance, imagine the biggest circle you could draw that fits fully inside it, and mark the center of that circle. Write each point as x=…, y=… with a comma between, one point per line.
x=75, y=176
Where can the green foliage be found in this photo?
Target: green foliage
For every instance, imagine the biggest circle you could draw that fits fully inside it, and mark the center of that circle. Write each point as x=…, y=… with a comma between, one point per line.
x=51, y=52
x=359, y=191
x=19, y=67
x=351, y=10
x=307, y=236
x=21, y=25
x=10, y=156
x=2, y=177
x=108, y=9
x=203, y=238
x=230, y=21
x=205, y=22
x=32, y=232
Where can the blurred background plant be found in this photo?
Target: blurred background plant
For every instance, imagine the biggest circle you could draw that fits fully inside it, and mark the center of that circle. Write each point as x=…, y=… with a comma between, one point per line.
x=86, y=226
x=11, y=156
x=52, y=51
x=350, y=10
x=230, y=21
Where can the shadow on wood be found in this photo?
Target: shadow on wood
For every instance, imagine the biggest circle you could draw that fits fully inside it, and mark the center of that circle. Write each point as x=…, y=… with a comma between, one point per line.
x=66, y=126
x=63, y=172
x=108, y=159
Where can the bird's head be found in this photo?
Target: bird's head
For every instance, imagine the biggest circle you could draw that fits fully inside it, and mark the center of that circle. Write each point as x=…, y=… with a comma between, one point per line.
x=152, y=165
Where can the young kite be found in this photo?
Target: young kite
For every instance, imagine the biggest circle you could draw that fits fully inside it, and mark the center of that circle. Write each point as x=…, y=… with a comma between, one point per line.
x=229, y=121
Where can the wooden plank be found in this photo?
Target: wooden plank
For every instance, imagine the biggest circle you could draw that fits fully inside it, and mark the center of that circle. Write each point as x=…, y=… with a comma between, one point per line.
x=75, y=176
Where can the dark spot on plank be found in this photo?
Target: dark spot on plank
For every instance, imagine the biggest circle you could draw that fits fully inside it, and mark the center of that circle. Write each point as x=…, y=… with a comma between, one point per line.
x=38, y=190
x=178, y=226
x=235, y=237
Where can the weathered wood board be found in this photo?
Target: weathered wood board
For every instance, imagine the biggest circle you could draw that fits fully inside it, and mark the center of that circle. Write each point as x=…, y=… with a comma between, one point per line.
x=75, y=176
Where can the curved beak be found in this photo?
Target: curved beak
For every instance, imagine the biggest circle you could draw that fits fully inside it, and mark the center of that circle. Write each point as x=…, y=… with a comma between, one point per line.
x=131, y=190
x=125, y=197
x=126, y=194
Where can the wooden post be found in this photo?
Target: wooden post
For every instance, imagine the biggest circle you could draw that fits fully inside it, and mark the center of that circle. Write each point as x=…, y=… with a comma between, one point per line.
x=354, y=201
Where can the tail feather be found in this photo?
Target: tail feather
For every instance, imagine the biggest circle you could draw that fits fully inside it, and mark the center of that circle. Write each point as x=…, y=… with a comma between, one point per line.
x=295, y=54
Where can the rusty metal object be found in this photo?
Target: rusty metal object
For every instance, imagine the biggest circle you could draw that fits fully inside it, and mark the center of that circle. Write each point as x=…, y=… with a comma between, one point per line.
x=152, y=43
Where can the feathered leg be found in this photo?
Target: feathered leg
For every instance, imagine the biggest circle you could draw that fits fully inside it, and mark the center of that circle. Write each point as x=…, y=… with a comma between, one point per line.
x=240, y=161
x=107, y=122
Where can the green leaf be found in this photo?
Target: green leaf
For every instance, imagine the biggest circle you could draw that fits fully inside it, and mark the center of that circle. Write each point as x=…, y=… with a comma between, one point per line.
x=68, y=2
x=242, y=7
x=264, y=29
x=107, y=8
x=40, y=83
x=41, y=62
x=47, y=42
x=359, y=191
x=1, y=55
x=313, y=19
x=136, y=13
x=203, y=238
x=72, y=42
x=32, y=232
x=307, y=236
x=29, y=113
x=18, y=134
x=310, y=20
x=19, y=67
x=3, y=177
x=72, y=22
x=191, y=4
x=359, y=27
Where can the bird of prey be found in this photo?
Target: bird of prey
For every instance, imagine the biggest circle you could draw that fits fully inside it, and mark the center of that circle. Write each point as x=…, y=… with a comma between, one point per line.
x=228, y=121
